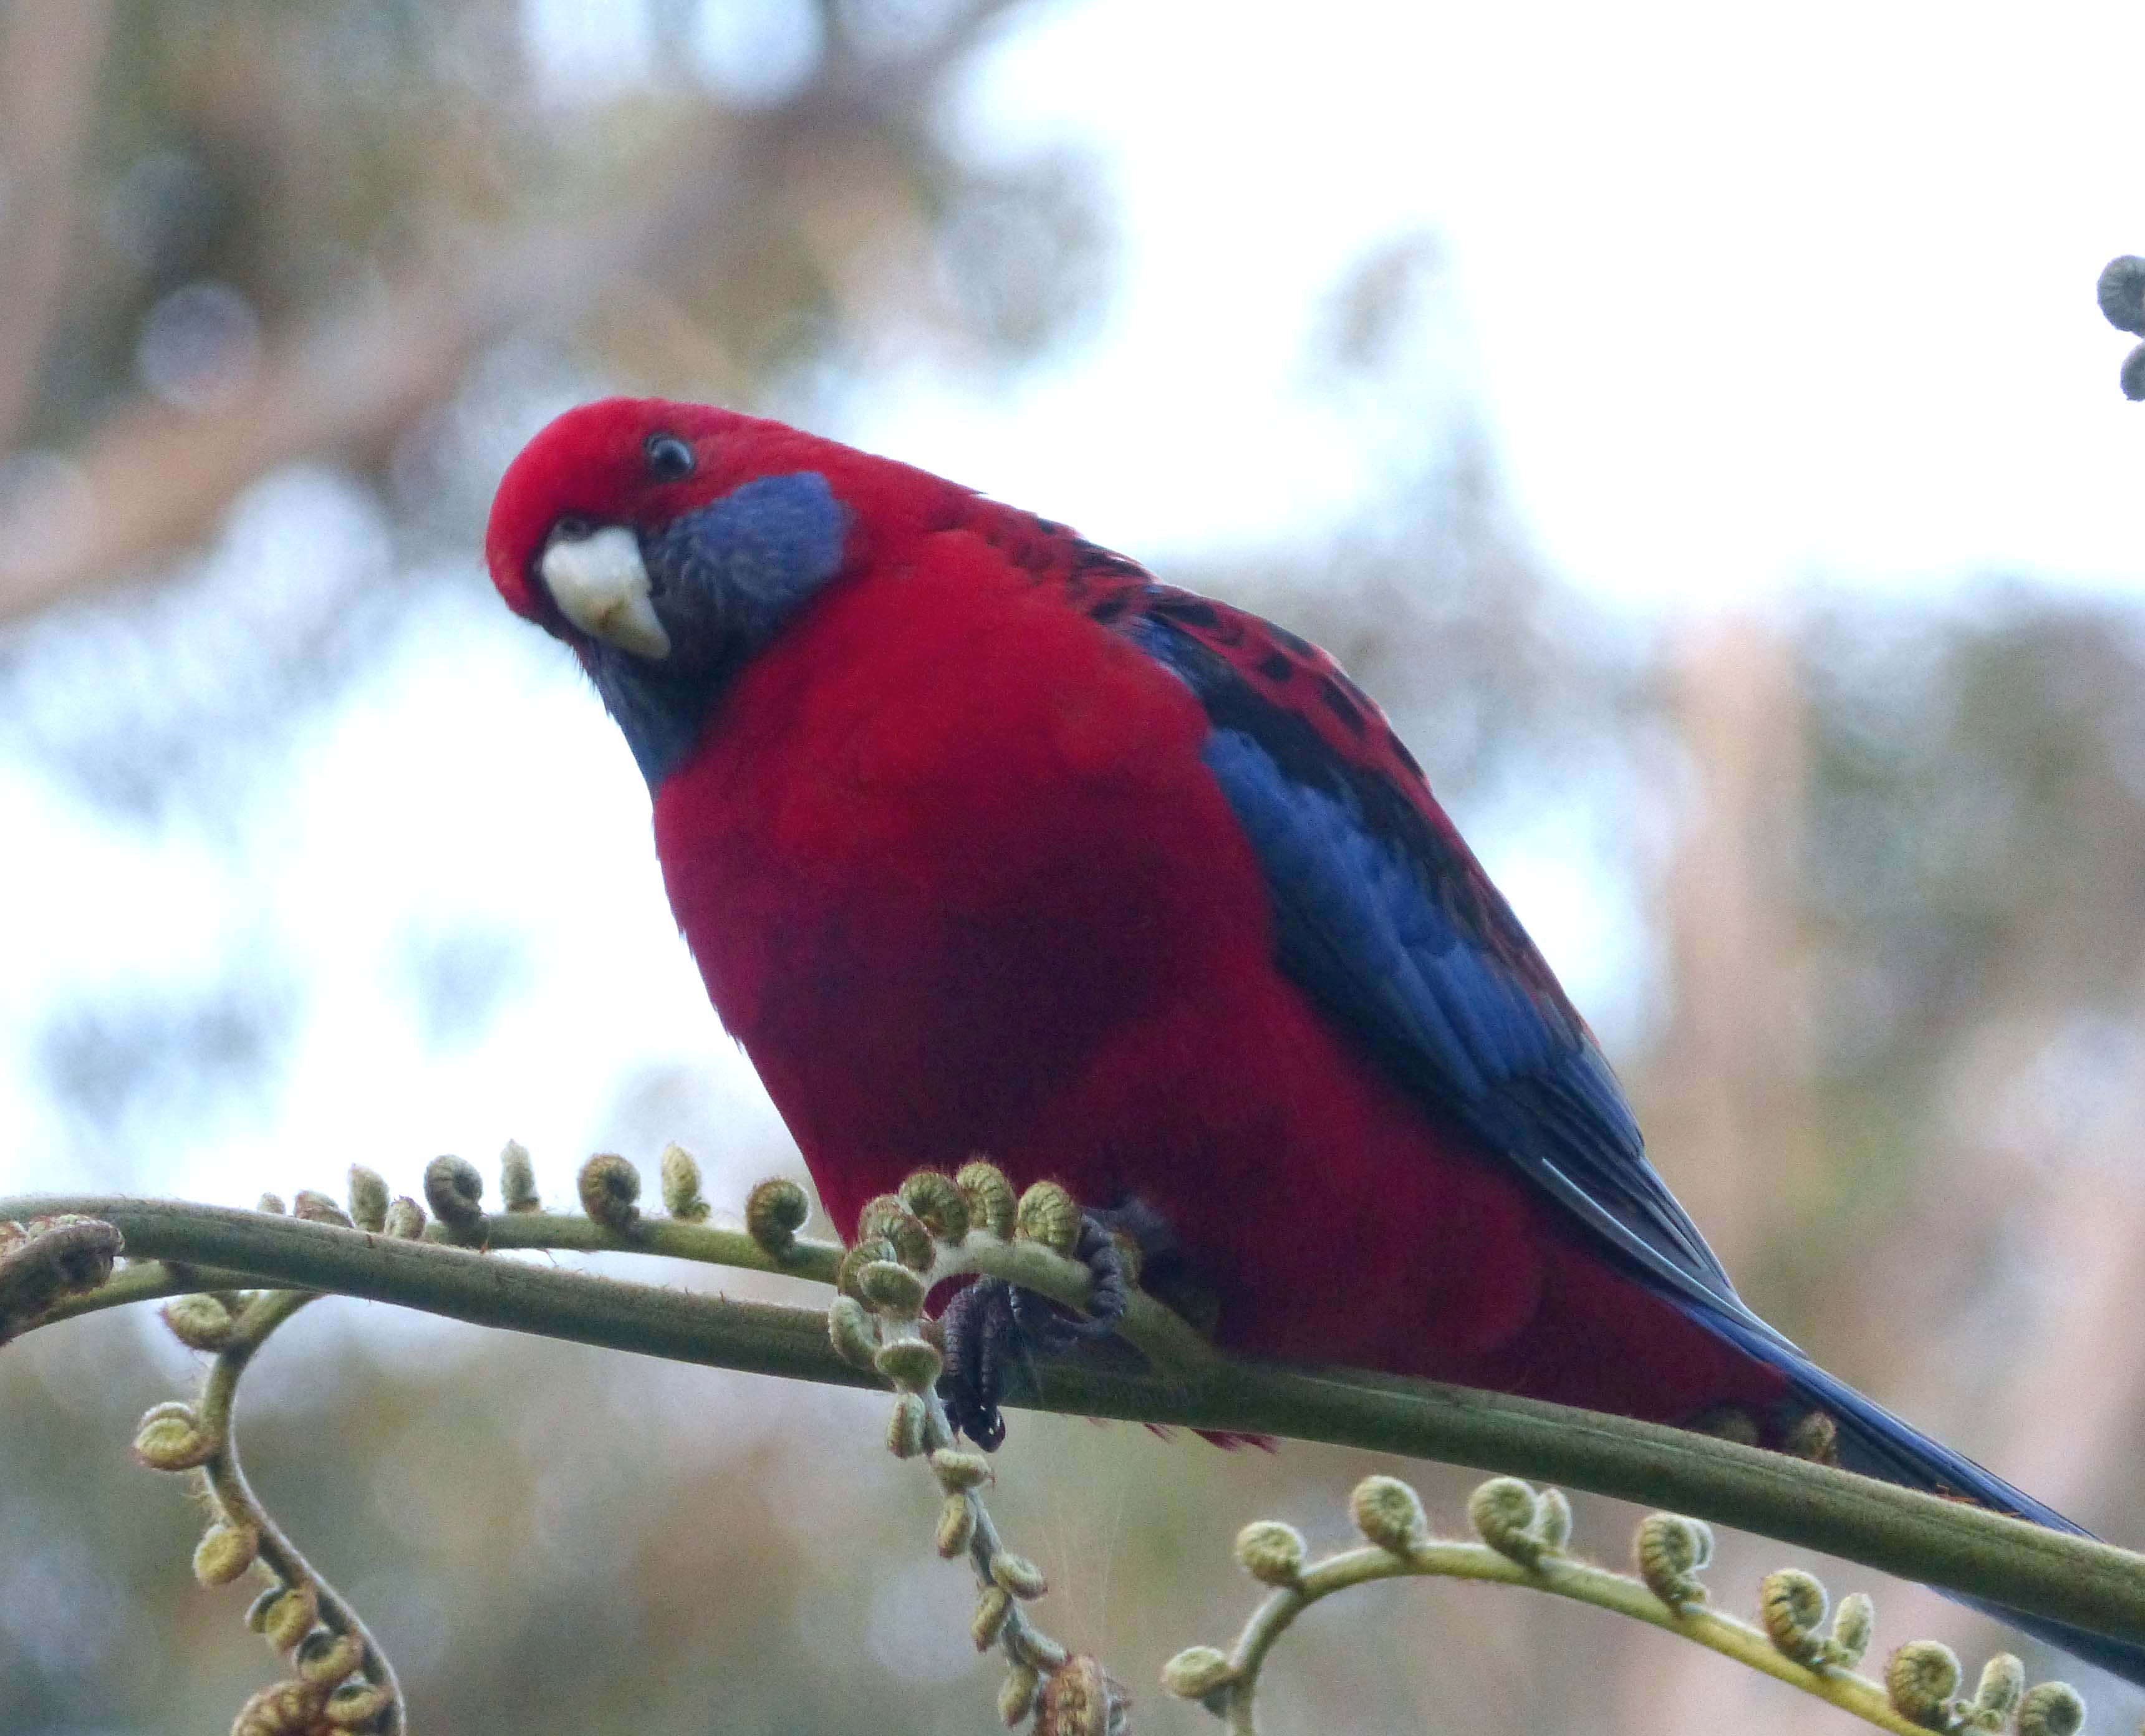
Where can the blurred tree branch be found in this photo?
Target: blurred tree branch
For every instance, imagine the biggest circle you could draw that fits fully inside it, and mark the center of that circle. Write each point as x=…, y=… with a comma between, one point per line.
x=154, y=478
x=1947, y=1543
x=50, y=57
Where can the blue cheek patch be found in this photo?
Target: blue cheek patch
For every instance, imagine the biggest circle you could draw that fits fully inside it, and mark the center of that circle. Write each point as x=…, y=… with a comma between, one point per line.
x=755, y=556
x=727, y=577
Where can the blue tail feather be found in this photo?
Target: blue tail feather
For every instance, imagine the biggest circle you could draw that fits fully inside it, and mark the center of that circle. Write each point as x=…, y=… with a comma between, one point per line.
x=1876, y=1443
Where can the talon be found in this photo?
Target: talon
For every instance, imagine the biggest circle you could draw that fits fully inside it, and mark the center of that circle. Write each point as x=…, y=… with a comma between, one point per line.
x=978, y=1326
x=991, y=1321
x=1046, y=1327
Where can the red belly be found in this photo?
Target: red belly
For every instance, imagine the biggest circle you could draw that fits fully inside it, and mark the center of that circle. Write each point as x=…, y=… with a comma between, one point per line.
x=956, y=877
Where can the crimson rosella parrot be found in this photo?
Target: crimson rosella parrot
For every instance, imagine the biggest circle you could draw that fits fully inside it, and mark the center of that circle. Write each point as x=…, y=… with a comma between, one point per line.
x=984, y=840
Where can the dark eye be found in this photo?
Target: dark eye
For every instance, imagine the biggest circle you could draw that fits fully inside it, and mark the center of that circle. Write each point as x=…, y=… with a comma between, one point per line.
x=669, y=459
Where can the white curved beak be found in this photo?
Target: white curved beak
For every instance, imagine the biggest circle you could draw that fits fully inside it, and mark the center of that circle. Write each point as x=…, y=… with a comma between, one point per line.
x=600, y=584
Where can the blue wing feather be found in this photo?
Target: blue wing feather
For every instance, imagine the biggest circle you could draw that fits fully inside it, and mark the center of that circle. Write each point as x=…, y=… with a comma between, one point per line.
x=1395, y=927
x=1385, y=918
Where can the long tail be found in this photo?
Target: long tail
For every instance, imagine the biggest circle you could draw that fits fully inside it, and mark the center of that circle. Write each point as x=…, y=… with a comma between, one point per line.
x=1877, y=1444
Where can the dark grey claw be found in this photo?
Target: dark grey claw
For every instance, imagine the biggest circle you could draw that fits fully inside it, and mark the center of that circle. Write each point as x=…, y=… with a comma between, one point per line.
x=979, y=1329
x=991, y=1322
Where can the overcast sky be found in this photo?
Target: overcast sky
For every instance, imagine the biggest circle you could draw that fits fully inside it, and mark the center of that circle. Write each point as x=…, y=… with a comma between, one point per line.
x=1760, y=293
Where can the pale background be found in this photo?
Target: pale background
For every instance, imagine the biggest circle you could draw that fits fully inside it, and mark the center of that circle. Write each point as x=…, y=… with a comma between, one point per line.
x=1696, y=428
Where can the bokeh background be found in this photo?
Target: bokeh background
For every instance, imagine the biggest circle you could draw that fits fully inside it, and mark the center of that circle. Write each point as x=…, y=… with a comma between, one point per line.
x=1695, y=427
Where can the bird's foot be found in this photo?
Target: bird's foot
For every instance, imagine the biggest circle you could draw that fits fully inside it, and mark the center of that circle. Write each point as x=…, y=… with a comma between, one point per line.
x=991, y=1323
x=979, y=1331
x=1790, y=1426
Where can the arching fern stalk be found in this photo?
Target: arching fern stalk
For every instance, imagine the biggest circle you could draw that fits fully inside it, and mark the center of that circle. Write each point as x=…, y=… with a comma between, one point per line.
x=1525, y=1538
x=233, y=1278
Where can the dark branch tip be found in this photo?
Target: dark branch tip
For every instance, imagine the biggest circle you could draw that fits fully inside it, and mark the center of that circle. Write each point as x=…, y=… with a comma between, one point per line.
x=367, y=1197
x=610, y=1190
x=200, y=1322
x=1792, y=1605
x=938, y=1203
x=680, y=1173
x=312, y=1206
x=49, y=1258
x=774, y=1211
x=2132, y=377
x=885, y=1217
x=517, y=1178
x=1080, y=1698
x=2120, y=292
x=455, y=1192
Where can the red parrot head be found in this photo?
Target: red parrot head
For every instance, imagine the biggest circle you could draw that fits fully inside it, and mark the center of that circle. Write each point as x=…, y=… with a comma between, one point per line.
x=669, y=543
